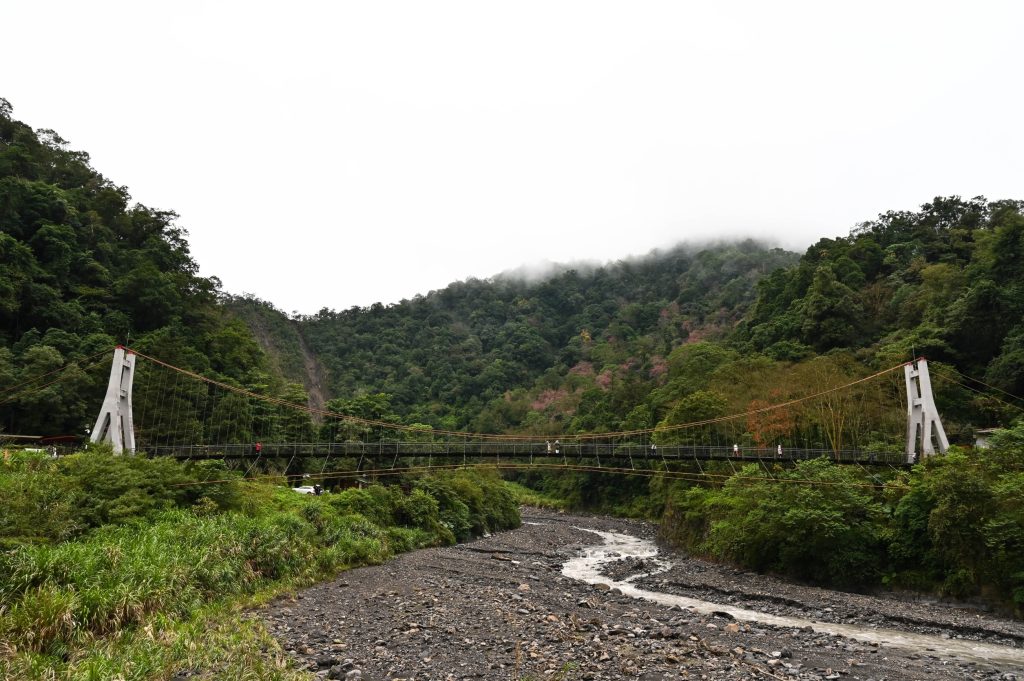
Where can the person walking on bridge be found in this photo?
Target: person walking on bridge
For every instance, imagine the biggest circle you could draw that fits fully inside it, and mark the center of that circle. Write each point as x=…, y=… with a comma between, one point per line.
x=736, y=449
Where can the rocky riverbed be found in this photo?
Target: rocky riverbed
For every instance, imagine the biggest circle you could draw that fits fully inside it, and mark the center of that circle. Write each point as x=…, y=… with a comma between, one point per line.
x=501, y=608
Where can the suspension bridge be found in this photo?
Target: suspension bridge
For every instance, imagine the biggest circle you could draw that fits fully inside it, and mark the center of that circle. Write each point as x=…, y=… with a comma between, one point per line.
x=154, y=408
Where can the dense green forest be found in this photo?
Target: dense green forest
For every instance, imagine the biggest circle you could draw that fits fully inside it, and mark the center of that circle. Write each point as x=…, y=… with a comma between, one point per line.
x=81, y=269
x=621, y=346
x=508, y=353
x=945, y=282
x=699, y=332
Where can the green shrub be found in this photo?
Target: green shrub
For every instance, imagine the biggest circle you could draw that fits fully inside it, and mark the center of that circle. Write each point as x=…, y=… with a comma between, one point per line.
x=472, y=502
x=43, y=499
x=375, y=502
x=419, y=510
x=404, y=539
x=524, y=496
x=452, y=510
x=959, y=519
x=827, y=531
x=151, y=558
x=360, y=541
x=959, y=584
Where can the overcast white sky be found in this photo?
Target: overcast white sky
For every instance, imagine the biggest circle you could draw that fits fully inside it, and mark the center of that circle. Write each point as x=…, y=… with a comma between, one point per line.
x=338, y=154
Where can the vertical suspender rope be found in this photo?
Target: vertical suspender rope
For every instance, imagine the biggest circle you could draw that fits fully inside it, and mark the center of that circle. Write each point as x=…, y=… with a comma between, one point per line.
x=214, y=421
x=159, y=429
x=194, y=417
x=251, y=436
x=175, y=401
x=205, y=417
x=324, y=467
x=253, y=464
x=394, y=462
x=141, y=423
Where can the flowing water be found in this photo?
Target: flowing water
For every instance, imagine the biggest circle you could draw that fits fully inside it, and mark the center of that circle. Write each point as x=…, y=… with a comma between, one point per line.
x=587, y=568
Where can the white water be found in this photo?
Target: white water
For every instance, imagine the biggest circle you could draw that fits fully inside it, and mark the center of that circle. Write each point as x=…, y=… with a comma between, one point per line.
x=587, y=568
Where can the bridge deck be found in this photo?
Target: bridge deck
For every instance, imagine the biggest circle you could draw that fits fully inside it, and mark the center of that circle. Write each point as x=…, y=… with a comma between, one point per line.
x=498, y=451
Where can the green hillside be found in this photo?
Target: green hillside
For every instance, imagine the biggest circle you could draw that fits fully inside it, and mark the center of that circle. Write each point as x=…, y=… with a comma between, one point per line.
x=460, y=356
x=83, y=268
x=631, y=344
x=618, y=347
x=945, y=281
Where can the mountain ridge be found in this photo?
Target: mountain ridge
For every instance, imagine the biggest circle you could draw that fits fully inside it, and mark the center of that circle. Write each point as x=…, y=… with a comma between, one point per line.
x=592, y=346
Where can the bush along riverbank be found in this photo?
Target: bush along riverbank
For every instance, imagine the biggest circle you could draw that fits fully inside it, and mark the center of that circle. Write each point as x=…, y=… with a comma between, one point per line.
x=125, y=567
x=953, y=526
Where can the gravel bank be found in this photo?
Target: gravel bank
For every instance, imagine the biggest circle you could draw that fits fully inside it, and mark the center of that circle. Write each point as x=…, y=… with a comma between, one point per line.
x=500, y=608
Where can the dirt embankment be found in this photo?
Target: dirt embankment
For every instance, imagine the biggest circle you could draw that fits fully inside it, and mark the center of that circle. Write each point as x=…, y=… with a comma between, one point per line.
x=316, y=378
x=292, y=358
x=500, y=608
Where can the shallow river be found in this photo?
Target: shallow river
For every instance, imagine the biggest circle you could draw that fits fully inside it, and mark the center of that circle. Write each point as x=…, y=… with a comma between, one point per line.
x=587, y=568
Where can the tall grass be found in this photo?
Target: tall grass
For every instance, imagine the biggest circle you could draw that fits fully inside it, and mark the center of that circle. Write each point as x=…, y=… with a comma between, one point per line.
x=65, y=605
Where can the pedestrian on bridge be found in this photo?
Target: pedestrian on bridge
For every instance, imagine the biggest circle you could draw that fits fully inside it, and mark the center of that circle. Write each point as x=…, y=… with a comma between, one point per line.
x=257, y=448
x=778, y=452
x=736, y=450
x=548, y=443
x=557, y=446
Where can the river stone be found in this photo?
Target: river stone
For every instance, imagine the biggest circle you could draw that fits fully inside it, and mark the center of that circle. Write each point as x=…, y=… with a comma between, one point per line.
x=474, y=600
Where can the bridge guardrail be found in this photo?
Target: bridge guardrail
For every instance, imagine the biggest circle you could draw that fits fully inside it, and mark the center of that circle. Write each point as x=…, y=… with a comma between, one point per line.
x=573, y=451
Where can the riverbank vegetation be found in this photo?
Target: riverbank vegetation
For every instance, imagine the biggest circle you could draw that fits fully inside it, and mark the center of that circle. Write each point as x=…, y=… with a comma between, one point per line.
x=952, y=526
x=118, y=565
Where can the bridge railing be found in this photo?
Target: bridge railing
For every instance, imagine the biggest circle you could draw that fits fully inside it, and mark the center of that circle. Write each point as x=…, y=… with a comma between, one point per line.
x=596, y=452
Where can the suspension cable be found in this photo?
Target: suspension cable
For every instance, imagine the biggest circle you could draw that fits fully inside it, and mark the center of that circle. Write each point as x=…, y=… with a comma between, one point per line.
x=494, y=436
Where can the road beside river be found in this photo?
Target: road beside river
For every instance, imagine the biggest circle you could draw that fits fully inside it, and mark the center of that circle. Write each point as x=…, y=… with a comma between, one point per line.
x=501, y=608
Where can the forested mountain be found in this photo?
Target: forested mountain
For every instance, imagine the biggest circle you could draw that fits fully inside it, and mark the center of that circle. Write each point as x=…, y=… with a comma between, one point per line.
x=946, y=282
x=691, y=332
x=615, y=347
x=82, y=268
x=468, y=356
